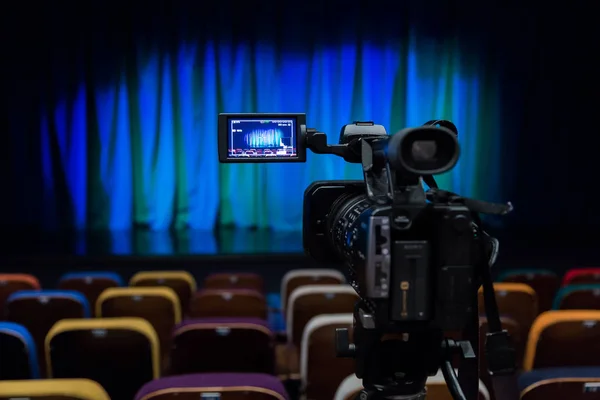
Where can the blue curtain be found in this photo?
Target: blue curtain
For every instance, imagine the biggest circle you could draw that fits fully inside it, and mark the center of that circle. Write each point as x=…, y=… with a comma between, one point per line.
x=125, y=131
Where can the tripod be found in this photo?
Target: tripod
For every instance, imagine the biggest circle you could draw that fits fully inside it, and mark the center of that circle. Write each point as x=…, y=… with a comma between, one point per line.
x=394, y=363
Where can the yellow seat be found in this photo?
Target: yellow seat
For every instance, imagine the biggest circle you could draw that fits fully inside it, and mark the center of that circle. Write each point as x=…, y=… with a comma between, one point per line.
x=182, y=282
x=121, y=354
x=63, y=389
x=563, y=338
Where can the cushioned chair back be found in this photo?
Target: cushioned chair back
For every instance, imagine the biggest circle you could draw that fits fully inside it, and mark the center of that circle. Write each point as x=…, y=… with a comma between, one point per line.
x=221, y=386
x=182, y=283
x=121, y=354
x=215, y=303
x=90, y=284
x=222, y=345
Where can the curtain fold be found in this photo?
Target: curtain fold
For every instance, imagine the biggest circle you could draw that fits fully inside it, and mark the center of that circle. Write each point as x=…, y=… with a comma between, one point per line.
x=140, y=148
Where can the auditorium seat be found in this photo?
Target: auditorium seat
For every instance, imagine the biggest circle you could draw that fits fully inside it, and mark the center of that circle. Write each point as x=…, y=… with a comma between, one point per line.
x=121, y=354
x=157, y=305
x=545, y=283
x=53, y=389
x=303, y=277
x=19, y=359
x=581, y=276
x=222, y=386
x=182, y=283
x=573, y=383
x=222, y=345
x=437, y=389
x=515, y=300
x=38, y=311
x=234, y=280
x=210, y=303
x=565, y=338
x=578, y=297
x=11, y=283
x=321, y=371
x=90, y=284
x=305, y=303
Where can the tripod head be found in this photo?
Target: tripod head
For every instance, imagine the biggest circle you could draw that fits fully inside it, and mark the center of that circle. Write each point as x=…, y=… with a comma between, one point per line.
x=394, y=362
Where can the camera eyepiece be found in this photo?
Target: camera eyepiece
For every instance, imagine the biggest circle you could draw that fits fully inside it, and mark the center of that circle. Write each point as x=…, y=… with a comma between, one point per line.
x=426, y=150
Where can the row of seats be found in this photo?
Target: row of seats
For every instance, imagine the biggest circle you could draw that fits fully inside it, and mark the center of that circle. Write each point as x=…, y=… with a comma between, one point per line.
x=248, y=386
x=198, y=345
x=555, y=292
x=309, y=302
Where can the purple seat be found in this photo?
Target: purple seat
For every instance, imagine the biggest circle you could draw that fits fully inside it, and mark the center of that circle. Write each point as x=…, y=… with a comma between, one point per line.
x=230, y=386
x=222, y=345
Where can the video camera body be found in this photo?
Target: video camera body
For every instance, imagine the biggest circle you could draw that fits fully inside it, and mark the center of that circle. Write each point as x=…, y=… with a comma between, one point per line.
x=413, y=256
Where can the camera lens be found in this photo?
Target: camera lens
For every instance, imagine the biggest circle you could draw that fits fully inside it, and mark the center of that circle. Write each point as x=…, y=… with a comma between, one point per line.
x=343, y=219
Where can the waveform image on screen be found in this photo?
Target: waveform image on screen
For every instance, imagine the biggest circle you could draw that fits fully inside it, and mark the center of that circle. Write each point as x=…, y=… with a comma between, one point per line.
x=262, y=138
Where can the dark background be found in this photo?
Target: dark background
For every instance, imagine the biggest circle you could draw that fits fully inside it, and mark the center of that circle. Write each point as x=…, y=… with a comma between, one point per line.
x=546, y=56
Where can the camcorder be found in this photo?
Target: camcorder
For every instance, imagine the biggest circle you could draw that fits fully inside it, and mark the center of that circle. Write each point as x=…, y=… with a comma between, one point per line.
x=416, y=258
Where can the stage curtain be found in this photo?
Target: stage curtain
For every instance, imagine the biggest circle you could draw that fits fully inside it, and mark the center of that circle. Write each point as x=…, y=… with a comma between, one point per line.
x=134, y=143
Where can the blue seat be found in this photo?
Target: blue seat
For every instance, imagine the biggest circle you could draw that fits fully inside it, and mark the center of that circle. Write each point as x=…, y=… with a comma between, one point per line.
x=91, y=284
x=578, y=297
x=19, y=358
x=544, y=282
x=39, y=310
x=537, y=375
x=112, y=276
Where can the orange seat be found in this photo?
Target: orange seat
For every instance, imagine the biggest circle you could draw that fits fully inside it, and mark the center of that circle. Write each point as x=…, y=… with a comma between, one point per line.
x=10, y=283
x=563, y=338
x=515, y=300
x=228, y=303
x=234, y=281
x=545, y=284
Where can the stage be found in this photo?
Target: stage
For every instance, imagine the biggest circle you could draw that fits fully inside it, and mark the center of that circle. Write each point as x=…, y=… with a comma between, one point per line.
x=271, y=254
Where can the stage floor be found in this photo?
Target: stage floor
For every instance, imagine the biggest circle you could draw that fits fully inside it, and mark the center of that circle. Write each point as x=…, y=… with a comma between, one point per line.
x=262, y=251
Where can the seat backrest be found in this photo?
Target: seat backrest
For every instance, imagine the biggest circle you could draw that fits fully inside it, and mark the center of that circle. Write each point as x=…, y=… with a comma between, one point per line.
x=307, y=302
x=234, y=280
x=121, y=354
x=563, y=388
x=10, y=283
x=222, y=345
x=157, y=305
x=38, y=311
x=90, y=284
x=59, y=389
x=321, y=371
x=563, y=338
x=515, y=300
x=229, y=386
x=19, y=358
x=581, y=276
x=303, y=277
x=545, y=283
x=182, y=283
x=578, y=297
x=209, y=303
